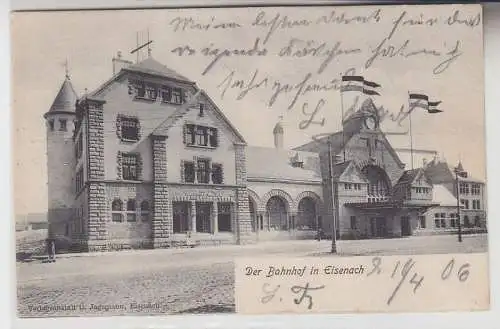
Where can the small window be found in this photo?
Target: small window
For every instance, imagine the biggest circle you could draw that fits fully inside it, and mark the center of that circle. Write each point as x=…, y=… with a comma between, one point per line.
x=63, y=125
x=116, y=211
x=51, y=125
x=130, y=128
x=203, y=171
x=354, y=224
x=131, y=210
x=151, y=92
x=144, y=211
x=437, y=222
x=129, y=166
x=201, y=136
x=202, y=110
x=477, y=221
x=188, y=172
x=141, y=90
x=217, y=176
x=466, y=221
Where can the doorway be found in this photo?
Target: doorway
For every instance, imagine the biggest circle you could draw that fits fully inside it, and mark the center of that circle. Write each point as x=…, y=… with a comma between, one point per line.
x=378, y=227
x=405, y=226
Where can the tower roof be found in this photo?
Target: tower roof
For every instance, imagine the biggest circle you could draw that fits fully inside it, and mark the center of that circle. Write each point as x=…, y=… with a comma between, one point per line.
x=65, y=100
x=278, y=129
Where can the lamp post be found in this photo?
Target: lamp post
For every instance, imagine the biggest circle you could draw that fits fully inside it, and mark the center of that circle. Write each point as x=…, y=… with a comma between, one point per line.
x=459, y=172
x=334, y=212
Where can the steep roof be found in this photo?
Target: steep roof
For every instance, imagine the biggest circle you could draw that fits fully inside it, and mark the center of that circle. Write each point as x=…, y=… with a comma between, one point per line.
x=273, y=163
x=441, y=172
x=153, y=67
x=66, y=98
x=339, y=168
x=441, y=195
x=409, y=176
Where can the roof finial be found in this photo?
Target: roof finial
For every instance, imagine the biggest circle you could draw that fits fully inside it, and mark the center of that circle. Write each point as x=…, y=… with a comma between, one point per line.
x=66, y=69
x=149, y=45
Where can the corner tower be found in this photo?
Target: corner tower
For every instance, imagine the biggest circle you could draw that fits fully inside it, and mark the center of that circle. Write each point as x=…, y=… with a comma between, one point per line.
x=278, y=133
x=60, y=158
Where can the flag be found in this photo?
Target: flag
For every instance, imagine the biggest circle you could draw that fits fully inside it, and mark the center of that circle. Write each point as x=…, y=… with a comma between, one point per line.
x=433, y=107
x=352, y=83
x=419, y=100
x=369, y=87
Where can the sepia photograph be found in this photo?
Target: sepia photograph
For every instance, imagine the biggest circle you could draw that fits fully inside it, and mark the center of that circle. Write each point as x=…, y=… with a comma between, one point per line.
x=154, y=148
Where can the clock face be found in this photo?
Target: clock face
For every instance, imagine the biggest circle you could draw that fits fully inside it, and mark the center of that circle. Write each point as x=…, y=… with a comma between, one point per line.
x=370, y=123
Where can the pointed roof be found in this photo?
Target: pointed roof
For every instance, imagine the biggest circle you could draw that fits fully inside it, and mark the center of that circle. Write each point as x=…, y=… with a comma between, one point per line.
x=153, y=67
x=278, y=129
x=65, y=100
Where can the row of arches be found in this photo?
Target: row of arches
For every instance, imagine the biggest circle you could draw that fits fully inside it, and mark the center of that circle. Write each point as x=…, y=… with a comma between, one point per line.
x=277, y=211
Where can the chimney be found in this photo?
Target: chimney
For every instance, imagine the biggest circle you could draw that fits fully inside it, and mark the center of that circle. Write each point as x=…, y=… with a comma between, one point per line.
x=119, y=63
x=424, y=162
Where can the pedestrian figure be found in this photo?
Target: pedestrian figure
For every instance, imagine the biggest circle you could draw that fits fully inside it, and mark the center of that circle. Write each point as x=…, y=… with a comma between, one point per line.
x=320, y=234
x=51, y=250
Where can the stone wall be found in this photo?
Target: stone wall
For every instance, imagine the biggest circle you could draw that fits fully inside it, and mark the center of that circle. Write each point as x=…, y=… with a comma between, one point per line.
x=162, y=225
x=243, y=226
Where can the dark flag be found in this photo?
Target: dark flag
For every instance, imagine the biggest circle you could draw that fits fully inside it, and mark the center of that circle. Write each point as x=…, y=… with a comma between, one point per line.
x=352, y=83
x=433, y=107
x=369, y=87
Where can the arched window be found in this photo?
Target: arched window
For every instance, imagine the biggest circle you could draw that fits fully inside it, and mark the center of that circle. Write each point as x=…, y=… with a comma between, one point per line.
x=144, y=211
x=131, y=210
x=116, y=210
x=378, y=184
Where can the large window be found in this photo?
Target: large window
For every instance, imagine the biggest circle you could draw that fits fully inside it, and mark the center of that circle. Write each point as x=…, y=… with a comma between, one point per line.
x=181, y=216
x=465, y=203
x=196, y=135
x=378, y=183
x=440, y=220
x=177, y=97
x=475, y=189
x=129, y=166
x=453, y=220
x=464, y=188
x=476, y=204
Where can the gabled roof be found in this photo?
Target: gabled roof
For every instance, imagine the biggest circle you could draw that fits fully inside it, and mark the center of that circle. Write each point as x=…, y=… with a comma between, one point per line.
x=441, y=172
x=276, y=164
x=65, y=100
x=339, y=168
x=153, y=67
x=441, y=195
x=409, y=176
x=148, y=66
x=163, y=127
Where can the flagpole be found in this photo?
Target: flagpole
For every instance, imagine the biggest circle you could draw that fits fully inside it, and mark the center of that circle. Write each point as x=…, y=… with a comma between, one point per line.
x=342, y=119
x=411, y=136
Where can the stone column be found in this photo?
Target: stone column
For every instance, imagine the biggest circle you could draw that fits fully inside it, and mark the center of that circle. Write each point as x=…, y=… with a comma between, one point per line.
x=215, y=218
x=162, y=224
x=243, y=228
x=98, y=209
x=193, y=216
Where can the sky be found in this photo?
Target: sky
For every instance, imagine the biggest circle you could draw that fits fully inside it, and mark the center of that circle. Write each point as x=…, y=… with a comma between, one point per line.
x=88, y=40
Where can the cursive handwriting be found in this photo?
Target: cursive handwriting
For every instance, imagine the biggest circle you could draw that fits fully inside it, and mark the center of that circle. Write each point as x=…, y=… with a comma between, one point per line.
x=305, y=294
x=190, y=23
x=306, y=84
x=298, y=48
x=306, y=123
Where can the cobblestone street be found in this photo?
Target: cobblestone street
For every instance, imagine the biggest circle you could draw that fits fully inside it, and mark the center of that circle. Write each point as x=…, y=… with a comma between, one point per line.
x=199, y=280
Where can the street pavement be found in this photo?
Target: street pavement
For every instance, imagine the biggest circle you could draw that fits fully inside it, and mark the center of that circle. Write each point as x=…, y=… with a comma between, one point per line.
x=173, y=281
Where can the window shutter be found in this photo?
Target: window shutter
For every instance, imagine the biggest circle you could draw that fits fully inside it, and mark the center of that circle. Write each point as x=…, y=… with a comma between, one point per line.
x=183, y=173
x=119, y=168
x=216, y=138
x=184, y=134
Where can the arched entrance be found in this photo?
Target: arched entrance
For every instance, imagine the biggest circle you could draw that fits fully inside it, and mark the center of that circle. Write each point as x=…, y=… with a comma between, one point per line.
x=277, y=214
x=253, y=214
x=307, y=215
x=378, y=183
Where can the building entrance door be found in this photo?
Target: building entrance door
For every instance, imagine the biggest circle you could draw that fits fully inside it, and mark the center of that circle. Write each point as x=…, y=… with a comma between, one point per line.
x=378, y=227
x=405, y=226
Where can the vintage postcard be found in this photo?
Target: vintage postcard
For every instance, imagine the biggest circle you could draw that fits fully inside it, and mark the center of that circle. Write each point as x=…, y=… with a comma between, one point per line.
x=250, y=160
